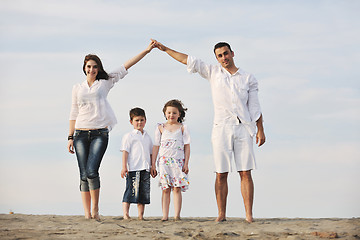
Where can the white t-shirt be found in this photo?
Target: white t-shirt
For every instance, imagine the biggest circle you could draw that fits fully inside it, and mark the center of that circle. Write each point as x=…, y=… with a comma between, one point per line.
x=139, y=146
x=90, y=107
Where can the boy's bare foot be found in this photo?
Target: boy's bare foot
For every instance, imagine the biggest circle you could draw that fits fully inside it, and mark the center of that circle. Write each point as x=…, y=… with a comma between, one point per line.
x=177, y=219
x=96, y=216
x=249, y=220
x=164, y=219
x=126, y=217
x=141, y=218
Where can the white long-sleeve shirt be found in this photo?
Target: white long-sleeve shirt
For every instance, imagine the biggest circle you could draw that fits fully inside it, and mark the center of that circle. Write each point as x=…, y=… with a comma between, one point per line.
x=90, y=107
x=234, y=95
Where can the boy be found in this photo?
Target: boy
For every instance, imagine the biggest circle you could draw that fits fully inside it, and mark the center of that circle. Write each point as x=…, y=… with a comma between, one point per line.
x=136, y=163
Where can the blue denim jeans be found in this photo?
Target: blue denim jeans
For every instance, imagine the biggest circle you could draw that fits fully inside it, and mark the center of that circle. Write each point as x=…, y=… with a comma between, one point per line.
x=90, y=146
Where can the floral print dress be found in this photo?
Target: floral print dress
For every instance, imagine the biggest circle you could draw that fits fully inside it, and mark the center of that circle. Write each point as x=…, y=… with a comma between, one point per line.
x=171, y=157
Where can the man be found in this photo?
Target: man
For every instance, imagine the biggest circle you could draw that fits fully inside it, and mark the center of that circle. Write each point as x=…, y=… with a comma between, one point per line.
x=237, y=114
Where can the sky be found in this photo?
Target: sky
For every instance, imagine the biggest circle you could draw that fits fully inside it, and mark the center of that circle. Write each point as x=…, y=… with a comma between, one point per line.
x=304, y=54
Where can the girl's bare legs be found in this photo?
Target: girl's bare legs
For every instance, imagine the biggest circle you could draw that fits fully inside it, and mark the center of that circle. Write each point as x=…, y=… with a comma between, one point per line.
x=165, y=202
x=141, y=209
x=177, y=202
x=126, y=207
x=86, y=200
x=95, y=203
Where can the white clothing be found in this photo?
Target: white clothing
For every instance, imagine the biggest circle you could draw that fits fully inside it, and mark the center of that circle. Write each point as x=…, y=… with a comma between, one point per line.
x=139, y=146
x=234, y=95
x=90, y=107
x=171, y=157
x=232, y=142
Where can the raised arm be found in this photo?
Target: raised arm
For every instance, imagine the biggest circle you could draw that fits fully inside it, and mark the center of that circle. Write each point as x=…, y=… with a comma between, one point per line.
x=181, y=57
x=138, y=57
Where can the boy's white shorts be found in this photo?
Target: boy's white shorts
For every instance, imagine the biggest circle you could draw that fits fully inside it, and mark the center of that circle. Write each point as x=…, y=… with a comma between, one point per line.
x=232, y=143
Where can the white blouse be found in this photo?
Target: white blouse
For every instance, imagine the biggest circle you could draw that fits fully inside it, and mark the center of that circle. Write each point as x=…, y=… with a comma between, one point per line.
x=90, y=107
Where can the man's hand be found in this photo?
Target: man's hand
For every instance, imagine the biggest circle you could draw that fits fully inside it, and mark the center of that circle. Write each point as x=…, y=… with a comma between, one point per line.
x=260, y=137
x=159, y=45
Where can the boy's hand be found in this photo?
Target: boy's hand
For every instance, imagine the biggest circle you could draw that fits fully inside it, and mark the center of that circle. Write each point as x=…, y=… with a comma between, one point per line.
x=153, y=172
x=124, y=172
x=185, y=169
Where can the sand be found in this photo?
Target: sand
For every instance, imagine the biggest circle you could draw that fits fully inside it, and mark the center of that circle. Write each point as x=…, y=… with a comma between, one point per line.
x=21, y=226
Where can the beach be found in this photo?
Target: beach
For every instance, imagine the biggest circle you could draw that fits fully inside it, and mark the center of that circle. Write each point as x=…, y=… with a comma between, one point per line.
x=23, y=226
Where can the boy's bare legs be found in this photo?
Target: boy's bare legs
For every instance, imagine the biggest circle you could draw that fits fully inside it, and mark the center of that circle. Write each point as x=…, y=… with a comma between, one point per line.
x=141, y=209
x=94, y=194
x=126, y=207
x=221, y=192
x=165, y=202
x=86, y=200
x=247, y=191
x=177, y=202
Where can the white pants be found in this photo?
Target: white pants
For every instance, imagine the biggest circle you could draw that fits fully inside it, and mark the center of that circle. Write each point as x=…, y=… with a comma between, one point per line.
x=232, y=143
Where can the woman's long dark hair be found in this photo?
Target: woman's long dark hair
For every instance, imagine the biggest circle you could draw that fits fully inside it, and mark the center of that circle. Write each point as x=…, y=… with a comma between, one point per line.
x=101, y=72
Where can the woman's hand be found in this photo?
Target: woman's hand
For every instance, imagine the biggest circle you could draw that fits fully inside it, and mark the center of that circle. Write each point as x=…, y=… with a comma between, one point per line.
x=71, y=146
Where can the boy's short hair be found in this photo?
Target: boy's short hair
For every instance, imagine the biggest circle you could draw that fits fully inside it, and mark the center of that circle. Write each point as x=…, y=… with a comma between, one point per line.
x=137, y=112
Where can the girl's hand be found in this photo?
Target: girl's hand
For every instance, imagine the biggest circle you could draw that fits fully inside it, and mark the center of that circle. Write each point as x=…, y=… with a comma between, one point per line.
x=153, y=172
x=185, y=169
x=70, y=146
x=124, y=172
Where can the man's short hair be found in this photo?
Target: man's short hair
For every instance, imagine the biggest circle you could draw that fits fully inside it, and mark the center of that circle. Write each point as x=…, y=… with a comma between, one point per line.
x=222, y=44
x=137, y=112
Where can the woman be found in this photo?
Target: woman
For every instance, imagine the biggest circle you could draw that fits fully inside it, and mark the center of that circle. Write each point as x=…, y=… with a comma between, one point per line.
x=91, y=119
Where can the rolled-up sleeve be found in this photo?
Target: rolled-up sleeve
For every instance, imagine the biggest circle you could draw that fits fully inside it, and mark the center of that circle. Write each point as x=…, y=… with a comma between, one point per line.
x=195, y=65
x=74, y=104
x=116, y=75
x=253, y=103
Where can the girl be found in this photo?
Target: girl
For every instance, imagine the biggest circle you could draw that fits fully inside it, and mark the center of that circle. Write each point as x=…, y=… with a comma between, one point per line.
x=91, y=119
x=172, y=142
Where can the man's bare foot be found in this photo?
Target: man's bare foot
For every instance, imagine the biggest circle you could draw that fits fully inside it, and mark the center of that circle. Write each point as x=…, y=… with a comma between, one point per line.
x=126, y=217
x=220, y=219
x=141, y=218
x=249, y=220
x=177, y=219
